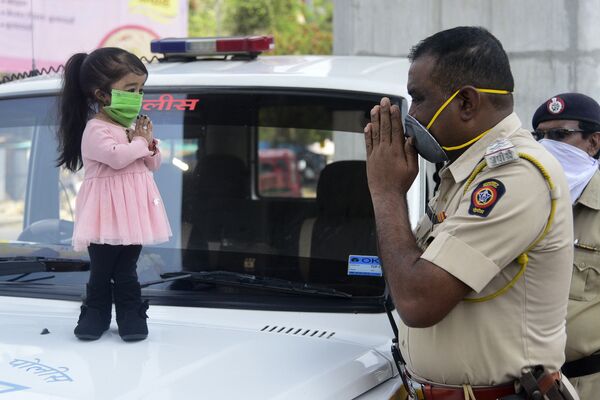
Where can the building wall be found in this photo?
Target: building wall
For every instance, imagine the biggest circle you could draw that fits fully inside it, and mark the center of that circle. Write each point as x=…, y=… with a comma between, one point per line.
x=553, y=45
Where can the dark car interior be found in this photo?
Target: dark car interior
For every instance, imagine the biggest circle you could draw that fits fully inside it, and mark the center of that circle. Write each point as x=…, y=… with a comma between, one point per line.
x=209, y=181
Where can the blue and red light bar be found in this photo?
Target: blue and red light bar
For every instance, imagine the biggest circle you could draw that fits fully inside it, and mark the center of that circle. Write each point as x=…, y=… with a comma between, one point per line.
x=192, y=47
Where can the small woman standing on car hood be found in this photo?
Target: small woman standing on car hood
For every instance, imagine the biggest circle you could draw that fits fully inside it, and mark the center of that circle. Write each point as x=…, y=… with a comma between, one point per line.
x=119, y=207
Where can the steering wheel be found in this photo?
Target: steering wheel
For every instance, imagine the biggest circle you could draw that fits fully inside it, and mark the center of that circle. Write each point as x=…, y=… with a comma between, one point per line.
x=52, y=231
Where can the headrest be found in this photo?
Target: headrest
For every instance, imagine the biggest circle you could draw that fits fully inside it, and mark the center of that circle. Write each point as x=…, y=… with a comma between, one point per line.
x=343, y=191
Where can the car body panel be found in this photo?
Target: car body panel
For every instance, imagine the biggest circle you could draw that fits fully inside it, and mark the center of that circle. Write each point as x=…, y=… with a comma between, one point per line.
x=383, y=75
x=214, y=353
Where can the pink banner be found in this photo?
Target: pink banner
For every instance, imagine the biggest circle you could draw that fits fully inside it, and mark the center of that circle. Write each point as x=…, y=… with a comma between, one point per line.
x=48, y=32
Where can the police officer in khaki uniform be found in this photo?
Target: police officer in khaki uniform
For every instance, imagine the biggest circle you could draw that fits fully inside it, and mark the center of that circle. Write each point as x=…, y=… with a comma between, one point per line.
x=482, y=289
x=568, y=125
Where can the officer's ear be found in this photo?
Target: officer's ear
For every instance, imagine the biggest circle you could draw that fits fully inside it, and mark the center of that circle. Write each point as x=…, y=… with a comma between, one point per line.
x=469, y=101
x=594, y=144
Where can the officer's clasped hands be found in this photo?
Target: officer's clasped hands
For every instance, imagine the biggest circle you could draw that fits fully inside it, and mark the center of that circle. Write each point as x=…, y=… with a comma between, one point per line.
x=391, y=159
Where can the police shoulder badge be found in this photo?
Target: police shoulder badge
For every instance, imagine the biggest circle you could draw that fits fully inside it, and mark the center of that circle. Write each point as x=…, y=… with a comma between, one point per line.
x=500, y=152
x=485, y=196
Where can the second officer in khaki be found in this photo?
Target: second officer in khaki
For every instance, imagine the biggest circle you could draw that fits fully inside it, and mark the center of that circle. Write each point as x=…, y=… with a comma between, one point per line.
x=482, y=289
x=568, y=125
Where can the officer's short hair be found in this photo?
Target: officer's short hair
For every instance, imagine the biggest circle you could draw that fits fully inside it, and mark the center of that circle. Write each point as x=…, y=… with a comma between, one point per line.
x=468, y=55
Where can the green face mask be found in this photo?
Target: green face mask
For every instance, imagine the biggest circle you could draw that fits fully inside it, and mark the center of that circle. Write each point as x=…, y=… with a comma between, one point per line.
x=124, y=107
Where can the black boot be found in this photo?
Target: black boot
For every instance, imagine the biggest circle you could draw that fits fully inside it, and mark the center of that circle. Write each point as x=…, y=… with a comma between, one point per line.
x=95, y=315
x=131, y=311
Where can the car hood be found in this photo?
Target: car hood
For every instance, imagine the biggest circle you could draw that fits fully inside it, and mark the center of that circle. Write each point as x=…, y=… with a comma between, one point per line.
x=189, y=353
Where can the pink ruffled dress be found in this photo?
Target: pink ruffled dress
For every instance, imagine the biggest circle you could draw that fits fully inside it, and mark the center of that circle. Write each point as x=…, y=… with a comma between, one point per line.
x=118, y=202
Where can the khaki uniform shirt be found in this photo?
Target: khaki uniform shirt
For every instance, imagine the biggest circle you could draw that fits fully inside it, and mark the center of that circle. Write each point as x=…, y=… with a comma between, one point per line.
x=583, y=317
x=490, y=342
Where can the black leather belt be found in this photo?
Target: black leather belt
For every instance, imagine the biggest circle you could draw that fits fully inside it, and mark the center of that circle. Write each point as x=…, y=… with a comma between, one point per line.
x=584, y=366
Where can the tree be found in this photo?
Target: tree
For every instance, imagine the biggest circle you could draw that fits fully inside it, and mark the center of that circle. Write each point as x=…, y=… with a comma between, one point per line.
x=299, y=27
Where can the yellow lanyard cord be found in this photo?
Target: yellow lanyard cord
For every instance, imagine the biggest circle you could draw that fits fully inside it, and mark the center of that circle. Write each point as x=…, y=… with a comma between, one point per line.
x=439, y=111
x=468, y=392
x=523, y=259
x=493, y=91
x=470, y=142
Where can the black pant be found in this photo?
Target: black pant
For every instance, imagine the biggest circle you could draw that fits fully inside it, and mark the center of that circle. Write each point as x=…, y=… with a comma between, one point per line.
x=116, y=263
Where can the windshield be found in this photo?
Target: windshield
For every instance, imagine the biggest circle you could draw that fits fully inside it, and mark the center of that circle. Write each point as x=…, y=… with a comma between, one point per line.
x=260, y=182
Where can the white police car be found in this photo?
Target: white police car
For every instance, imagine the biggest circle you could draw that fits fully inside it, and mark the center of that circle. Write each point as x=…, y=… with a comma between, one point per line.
x=270, y=287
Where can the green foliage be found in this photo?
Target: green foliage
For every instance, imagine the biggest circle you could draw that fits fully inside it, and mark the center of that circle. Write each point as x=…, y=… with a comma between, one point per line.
x=248, y=17
x=202, y=20
x=281, y=137
x=299, y=27
x=294, y=124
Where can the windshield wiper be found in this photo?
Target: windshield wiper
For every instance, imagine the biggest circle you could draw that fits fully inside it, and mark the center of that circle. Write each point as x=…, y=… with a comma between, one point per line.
x=26, y=265
x=19, y=278
x=179, y=276
x=250, y=281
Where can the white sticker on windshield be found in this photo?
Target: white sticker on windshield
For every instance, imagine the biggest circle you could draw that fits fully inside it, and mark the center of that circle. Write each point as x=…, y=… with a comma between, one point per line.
x=364, y=265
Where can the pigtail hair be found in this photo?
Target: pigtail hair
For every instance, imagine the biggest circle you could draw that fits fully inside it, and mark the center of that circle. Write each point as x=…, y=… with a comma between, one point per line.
x=74, y=111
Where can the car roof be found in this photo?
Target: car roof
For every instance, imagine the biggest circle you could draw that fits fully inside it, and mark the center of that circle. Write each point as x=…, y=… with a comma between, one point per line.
x=380, y=75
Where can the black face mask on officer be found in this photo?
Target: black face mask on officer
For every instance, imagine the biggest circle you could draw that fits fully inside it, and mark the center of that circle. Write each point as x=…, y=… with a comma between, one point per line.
x=427, y=146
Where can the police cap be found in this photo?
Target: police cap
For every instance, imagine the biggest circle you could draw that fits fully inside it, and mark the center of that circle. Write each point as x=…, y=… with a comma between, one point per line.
x=572, y=106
